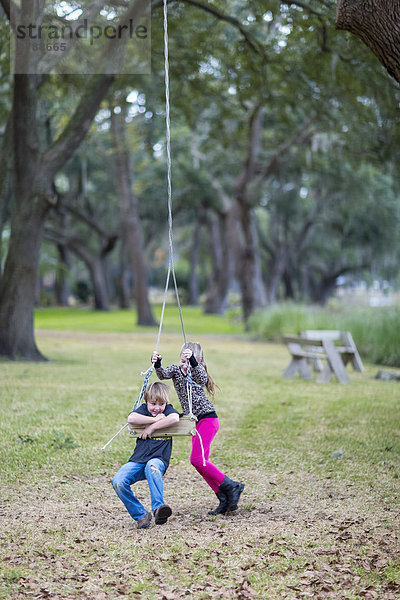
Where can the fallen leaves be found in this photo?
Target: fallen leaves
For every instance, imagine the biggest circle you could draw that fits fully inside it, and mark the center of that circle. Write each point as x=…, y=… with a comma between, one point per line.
x=292, y=546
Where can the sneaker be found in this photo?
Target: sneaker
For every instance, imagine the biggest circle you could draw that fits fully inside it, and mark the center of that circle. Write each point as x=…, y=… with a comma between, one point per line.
x=144, y=522
x=162, y=513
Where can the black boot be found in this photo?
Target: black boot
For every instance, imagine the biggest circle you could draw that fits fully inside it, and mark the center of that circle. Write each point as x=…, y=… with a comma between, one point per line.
x=232, y=489
x=223, y=505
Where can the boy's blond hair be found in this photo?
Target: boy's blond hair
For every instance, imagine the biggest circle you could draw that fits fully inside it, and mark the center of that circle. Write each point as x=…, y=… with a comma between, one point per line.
x=157, y=391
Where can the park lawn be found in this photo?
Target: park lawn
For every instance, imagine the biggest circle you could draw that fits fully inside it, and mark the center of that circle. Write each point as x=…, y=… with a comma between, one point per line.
x=125, y=321
x=318, y=517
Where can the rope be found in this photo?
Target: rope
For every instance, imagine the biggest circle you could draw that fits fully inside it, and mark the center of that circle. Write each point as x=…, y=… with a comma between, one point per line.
x=189, y=391
x=169, y=177
x=202, y=448
x=171, y=268
x=189, y=388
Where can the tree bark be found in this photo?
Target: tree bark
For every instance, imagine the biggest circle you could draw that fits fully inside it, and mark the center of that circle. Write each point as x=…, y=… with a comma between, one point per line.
x=221, y=274
x=131, y=228
x=245, y=242
x=4, y=218
x=277, y=271
x=377, y=24
x=124, y=279
x=194, y=261
x=61, y=286
x=325, y=287
x=33, y=178
x=18, y=284
x=94, y=264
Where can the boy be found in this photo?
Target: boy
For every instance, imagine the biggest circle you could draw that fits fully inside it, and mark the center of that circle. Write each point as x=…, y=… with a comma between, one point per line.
x=151, y=457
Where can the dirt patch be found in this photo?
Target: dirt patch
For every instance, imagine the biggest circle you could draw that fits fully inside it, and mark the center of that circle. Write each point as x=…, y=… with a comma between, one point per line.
x=298, y=536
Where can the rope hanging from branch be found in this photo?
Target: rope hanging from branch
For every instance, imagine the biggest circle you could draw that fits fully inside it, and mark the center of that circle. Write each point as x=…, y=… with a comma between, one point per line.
x=171, y=267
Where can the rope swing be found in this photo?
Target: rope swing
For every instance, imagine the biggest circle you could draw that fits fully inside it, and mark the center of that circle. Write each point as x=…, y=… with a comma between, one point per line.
x=186, y=425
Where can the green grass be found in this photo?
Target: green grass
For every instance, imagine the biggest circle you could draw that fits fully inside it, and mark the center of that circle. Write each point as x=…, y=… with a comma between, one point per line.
x=125, y=321
x=318, y=518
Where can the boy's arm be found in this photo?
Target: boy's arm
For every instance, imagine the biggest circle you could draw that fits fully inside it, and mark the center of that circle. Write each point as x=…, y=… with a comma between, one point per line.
x=159, y=424
x=137, y=419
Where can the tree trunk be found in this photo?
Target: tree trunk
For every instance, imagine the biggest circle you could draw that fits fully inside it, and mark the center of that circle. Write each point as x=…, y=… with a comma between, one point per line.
x=288, y=283
x=194, y=261
x=247, y=263
x=94, y=264
x=276, y=272
x=99, y=283
x=18, y=285
x=4, y=218
x=377, y=24
x=221, y=274
x=33, y=177
x=123, y=279
x=130, y=219
x=34, y=173
x=61, y=286
x=248, y=271
x=324, y=290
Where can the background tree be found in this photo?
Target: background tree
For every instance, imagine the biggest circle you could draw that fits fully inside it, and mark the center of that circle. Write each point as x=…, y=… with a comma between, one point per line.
x=34, y=170
x=283, y=135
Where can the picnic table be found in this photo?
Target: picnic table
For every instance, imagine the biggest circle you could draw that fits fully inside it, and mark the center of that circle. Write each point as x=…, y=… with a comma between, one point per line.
x=318, y=349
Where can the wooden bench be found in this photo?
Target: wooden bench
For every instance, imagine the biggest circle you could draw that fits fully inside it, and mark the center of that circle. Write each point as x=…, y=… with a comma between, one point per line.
x=303, y=350
x=345, y=346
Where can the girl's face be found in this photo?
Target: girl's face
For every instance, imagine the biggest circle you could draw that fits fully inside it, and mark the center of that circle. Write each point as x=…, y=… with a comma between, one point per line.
x=183, y=363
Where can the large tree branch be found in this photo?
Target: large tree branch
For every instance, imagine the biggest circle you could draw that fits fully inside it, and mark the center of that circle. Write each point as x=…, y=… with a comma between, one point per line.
x=85, y=218
x=312, y=219
x=253, y=149
x=377, y=24
x=73, y=243
x=254, y=45
x=51, y=59
x=296, y=137
x=10, y=8
x=6, y=7
x=63, y=148
x=330, y=274
x=65, y=145
x=225, y=200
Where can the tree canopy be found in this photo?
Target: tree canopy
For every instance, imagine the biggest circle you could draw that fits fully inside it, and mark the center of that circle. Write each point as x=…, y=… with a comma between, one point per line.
x=285, y=154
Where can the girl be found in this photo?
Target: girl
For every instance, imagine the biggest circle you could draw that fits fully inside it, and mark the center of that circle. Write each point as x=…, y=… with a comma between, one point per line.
x=227, y=491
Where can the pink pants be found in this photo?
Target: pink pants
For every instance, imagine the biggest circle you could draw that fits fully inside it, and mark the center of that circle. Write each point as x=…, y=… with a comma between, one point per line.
x=207, y=428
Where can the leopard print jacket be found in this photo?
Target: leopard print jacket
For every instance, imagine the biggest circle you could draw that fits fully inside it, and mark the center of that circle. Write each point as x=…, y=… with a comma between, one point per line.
x=200, y=403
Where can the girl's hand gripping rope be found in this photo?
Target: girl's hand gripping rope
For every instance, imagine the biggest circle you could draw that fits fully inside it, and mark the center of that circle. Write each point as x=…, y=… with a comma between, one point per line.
x=156, y=357
x=184, y=360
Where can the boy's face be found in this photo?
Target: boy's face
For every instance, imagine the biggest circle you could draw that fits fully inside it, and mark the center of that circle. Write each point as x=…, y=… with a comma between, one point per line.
x=156, y=407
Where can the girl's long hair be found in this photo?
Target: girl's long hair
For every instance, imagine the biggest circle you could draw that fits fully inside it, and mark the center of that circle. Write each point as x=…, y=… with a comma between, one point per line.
x=197, y=350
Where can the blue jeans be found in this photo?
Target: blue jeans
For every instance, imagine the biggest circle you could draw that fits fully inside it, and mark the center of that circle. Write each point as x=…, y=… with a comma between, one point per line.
x=132, y=472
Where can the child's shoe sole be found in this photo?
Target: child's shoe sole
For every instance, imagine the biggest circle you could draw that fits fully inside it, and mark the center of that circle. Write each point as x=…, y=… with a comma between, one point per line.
x=161, y=514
